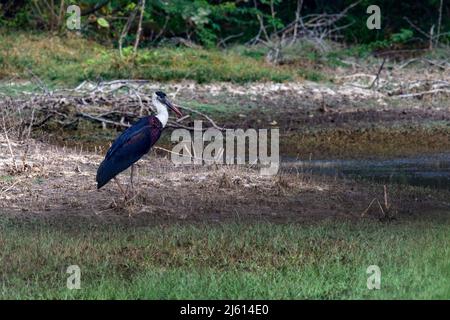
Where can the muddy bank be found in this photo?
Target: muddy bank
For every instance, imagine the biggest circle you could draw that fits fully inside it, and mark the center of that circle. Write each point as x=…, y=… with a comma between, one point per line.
x=55, y=183
x=367, y=134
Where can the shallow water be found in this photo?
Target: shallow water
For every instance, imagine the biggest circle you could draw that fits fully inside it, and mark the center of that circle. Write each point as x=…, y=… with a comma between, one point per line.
x=430, y=170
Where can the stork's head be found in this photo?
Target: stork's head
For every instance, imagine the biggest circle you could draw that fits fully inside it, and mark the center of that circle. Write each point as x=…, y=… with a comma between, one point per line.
x=160, y=97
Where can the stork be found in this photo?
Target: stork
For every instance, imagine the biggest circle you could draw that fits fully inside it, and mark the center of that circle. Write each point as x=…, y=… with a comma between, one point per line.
x=135, y=142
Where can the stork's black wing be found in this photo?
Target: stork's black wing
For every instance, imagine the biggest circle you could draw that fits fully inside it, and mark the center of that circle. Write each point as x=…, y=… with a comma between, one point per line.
x=126, y=135
x=128, y=148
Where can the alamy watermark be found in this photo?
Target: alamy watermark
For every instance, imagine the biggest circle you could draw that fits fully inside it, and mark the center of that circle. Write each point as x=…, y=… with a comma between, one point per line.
x=74, y=280
x=232, y=146
x=74, y=20
x=374, y=280
x=374, y=20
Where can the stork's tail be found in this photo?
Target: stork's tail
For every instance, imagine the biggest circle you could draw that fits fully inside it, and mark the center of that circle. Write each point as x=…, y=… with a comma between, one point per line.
x=103, y=175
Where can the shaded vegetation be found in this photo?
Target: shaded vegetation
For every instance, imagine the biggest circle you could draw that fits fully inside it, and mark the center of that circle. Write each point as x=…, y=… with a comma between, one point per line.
x=209, y=22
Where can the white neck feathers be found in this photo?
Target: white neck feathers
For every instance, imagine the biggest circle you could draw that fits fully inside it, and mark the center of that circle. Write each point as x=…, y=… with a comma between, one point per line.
x=161, y=111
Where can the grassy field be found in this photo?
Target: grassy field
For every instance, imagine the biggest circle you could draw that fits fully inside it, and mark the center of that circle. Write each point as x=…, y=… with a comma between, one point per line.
x=70, y=60
x=253, y=246
x=324, y=260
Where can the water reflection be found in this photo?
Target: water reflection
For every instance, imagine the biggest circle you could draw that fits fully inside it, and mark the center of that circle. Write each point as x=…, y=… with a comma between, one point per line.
x=431, y=171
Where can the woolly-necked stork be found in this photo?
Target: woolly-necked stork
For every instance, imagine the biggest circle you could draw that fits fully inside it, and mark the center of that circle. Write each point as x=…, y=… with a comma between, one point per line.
x=135, y=142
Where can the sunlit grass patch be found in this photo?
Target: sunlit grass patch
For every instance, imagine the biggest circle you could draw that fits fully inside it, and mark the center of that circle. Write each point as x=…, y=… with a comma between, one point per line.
x=70, y=60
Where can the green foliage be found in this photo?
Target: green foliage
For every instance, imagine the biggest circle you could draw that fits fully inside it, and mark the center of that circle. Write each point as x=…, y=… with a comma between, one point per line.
x=201, y=20
x=402, y=36
x=102, y=22
x=207, y=22
x=311, y=75
x=396, y=39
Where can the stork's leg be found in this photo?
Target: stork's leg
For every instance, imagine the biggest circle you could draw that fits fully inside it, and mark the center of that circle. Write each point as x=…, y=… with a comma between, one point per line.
x=124, y=193
x=130, y=185
x=136, y=176
x=131, y=179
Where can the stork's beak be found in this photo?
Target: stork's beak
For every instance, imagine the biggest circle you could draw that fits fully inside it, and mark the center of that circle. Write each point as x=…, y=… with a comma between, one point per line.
x=172, y=107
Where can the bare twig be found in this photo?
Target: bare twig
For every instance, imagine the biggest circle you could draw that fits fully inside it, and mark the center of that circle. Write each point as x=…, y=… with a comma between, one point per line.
x=103, y=120
x=5, y=131
x=126, y=28
x=222, y=42
x=378, y=74
x=139, y=30
x=386, y=201
x=439, y=24
x=213, y=123
x=6, y=189
x=419, y=94
x=370, y=205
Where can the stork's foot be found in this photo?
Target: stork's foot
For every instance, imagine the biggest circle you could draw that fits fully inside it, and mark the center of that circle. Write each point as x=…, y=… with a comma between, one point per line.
x=130, y=196
x=129, y=193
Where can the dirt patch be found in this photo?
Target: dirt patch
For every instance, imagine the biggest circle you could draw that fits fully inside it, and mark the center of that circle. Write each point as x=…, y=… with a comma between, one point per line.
x=56, y=183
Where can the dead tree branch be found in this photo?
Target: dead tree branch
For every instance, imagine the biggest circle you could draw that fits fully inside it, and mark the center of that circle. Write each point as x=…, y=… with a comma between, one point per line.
x=126, y=28
x=115, y=103
x=315, y=28
x=139, y=29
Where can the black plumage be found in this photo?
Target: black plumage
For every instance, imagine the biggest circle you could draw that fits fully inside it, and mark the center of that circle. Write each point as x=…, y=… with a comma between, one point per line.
x=128, y=148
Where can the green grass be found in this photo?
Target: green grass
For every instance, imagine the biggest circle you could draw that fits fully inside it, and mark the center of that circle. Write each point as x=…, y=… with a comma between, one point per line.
x=326, y=260
x=12, y=88
x=70, y=60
